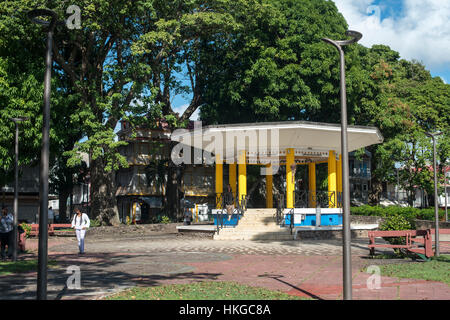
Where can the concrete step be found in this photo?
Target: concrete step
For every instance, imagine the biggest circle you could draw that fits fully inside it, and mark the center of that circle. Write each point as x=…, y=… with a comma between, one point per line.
x=256, y=224
x=248, y=231
x=278, y=237
x=249, y=234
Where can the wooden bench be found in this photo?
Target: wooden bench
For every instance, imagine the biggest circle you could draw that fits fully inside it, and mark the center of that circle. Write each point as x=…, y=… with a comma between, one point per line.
x=416, y=241
x=53, y=229
x=22, y=241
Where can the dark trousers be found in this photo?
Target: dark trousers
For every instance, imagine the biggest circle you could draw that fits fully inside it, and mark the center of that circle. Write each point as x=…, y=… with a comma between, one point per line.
x=5, y=239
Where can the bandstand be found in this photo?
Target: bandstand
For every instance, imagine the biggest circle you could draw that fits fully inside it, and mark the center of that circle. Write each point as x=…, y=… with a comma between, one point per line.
x=275, y=144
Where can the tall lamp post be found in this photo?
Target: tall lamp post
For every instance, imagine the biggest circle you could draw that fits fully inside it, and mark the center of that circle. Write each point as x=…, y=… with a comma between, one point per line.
x=436, y=204
x=50, y=24
x=347, y=256
x=445, y=192
x=397, y=187
x=16, y=184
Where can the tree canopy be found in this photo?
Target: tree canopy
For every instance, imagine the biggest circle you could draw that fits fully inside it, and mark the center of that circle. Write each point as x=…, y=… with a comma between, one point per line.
x=237, y=60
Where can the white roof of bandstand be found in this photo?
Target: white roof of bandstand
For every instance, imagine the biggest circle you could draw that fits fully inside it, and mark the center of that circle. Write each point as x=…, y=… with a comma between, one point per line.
x=310, y=140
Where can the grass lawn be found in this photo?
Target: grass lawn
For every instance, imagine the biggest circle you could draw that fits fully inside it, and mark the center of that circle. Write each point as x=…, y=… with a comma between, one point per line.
x=438, y=269
x=209, y=290
x=9, y=267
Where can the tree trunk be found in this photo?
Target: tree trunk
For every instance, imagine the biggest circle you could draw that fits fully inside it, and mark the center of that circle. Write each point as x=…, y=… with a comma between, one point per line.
x=103, y=194
x=375, y=192
x=376, y=186
x=63, y=206
x=173, y=192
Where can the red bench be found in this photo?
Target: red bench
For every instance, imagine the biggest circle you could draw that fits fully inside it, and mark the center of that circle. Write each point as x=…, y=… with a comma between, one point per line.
x=22, y=241
x=53, y=229
x=417, y=241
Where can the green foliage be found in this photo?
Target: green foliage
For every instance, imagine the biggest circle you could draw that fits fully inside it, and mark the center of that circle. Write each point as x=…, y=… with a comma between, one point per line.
x=396, y=222
x=95, y=223
x=27, y=228
x=409, y=213
x=275, y=66
x=293, y=75
x=435, y=270
x=165, y=219
x=203, y=290
x=21, y=266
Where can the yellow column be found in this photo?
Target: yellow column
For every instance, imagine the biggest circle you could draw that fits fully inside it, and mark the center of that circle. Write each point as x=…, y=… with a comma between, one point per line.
x=242, y=175
x=219, y=179
x=332, y=178
x=339, y=178
x=339, y=174
x=232, y=177
x=290, y=183
x=312, y=184
x=269, y=185
x=133, y=214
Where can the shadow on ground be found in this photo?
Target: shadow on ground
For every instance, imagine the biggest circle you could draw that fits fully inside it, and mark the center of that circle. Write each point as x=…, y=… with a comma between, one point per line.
x=102, y=274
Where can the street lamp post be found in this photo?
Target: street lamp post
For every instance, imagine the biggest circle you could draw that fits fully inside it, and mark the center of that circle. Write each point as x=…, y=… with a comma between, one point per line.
x=436, y=205
x=16, y=185
x=347, y=256
x=50, y=24
x=445, y=192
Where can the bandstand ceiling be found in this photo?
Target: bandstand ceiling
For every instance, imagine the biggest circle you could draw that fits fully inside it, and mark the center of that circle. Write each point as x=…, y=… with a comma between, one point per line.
x=309, y=139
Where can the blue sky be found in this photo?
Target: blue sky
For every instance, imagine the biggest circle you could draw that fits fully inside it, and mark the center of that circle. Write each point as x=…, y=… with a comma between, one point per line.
x=417, y=29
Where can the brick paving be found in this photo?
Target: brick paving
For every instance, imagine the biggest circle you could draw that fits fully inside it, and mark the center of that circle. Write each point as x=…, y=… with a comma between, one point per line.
x=310, y=268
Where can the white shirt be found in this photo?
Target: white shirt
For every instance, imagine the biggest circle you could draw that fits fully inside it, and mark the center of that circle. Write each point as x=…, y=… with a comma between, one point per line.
x=51, y=215
x=84, y=223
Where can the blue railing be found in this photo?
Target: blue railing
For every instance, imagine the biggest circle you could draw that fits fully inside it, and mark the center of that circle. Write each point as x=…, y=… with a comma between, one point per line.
x=223, y=218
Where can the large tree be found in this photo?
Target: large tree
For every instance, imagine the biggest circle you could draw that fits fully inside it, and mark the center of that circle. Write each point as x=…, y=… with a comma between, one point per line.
x=123, y=63
x=21, y=78
x=21, y=94
x=404, y=101
x=277, y=68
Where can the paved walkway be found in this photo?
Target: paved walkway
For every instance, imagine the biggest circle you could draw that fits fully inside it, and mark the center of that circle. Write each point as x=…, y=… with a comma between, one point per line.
x=305, y=268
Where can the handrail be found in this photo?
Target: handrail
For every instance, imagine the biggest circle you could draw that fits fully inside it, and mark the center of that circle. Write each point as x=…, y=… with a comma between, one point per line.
x=280, y=208
x=241, y=206
x=219, y=206
x=324, y=199
x=291, y=224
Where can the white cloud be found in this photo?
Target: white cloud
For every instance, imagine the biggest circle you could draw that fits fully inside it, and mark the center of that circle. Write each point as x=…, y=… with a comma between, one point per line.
x=421, y=31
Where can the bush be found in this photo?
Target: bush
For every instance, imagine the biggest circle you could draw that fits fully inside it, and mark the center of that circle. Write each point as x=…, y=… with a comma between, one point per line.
x=397, y=222
x=95, y=223
x=165, y=219
x=27, y=228
x=408, y=212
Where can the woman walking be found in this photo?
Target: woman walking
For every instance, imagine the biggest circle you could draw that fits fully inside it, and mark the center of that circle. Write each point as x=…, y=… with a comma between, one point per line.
x=80, y=223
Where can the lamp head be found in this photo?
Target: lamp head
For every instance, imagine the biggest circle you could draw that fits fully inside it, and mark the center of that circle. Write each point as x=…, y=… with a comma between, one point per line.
x=19, y=119
x=434, y=134
x=356, y=36
x=36, y=16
